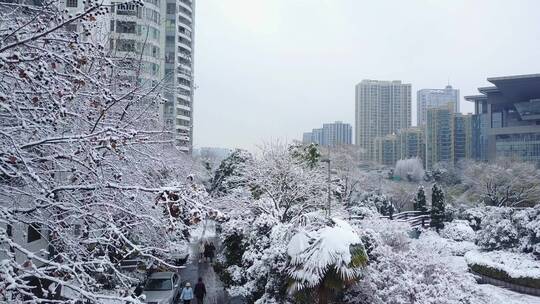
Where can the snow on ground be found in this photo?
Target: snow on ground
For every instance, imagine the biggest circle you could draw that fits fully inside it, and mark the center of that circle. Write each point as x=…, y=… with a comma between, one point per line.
x=504, y=296
x=516, y=265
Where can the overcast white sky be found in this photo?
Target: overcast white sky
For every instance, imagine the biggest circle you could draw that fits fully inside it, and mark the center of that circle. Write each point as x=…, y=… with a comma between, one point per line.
x=269, y=70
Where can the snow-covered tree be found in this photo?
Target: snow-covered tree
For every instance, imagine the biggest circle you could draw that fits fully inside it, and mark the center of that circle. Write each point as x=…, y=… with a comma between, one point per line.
x=308, y=154
x=231, y=173
x=280, y=193
x=503, y=183
x=284, y=188
x=409, y=169
x=81, y=162
x=437, y=207
x=420, y=200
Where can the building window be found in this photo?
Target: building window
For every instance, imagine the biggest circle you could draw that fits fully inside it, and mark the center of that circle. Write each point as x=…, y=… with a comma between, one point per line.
x=125, y=45
x=171, y=8
x=127, y=27
x=129, y=9
x=34, y=233
x=71, y=3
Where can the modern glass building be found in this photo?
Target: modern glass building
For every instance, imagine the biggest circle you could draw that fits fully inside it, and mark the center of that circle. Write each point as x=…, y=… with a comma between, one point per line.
x=439, y=135
x=507, y=119
x=434, y=98
x=386, y=150
x=411, y=143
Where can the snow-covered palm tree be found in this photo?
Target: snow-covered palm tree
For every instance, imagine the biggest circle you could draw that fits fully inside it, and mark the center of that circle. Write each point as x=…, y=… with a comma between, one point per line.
x=325, y=259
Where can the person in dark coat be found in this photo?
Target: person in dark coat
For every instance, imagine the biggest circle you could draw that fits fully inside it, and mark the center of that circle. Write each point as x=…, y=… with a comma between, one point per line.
x=200, y=291
x=211, y=251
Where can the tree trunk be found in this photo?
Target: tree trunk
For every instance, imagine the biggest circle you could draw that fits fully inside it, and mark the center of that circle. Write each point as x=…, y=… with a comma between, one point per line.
x=323, y=294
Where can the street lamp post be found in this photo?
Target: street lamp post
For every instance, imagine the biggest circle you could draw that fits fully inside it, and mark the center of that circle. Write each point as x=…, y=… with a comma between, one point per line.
x=328, y=210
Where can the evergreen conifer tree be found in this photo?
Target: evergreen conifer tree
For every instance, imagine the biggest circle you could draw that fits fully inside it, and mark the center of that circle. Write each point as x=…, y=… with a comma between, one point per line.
x=420, y=200
x=437, y=207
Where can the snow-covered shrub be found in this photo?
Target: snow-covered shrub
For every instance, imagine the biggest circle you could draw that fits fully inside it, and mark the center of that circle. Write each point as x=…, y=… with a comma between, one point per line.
x=378, y=202
x=473, y=216
x=387, y=232
x=431, y=241
x=497, y=230
x=458, y=230
x=509, y=228
x=409, y=169
x=527, y=223
x=363, y=212
x=413, y=276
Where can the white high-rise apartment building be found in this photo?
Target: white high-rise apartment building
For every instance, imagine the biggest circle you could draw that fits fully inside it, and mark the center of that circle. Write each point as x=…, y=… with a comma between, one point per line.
x=160, y=34
x=435, y=98
x=382, y=108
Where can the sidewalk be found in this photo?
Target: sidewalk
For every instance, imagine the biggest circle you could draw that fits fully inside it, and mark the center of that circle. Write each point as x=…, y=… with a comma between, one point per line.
x=216, y=293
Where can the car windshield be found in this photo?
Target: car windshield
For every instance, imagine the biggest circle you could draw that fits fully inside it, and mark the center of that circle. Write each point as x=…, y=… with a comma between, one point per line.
x=158, y=284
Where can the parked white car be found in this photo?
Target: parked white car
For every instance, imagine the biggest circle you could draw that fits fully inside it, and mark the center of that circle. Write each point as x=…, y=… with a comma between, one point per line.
x=162, y=288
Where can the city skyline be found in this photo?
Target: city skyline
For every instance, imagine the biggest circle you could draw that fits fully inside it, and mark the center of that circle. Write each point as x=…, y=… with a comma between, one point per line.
x=307, y=80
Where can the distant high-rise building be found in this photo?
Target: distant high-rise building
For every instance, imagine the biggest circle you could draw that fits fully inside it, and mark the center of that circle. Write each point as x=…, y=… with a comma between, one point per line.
x=448, y=136
x=381, y=108
x=317, y=136
x=307, y=138
x=330, y=135
x=434, y=98
x=386, y=150
x=463, y=136
x=439, y=135
x=411, y=143
x=337, y=134
x=506, y=123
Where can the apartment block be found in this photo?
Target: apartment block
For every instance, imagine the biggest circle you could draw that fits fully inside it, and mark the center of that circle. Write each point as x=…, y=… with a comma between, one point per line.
x=381, y=108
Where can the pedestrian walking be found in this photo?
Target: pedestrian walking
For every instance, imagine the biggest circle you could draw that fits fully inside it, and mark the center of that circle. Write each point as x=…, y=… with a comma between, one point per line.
x=187, y=294
x=211, y=251
x=206, y=251
x=200, y=291
x=201, y=251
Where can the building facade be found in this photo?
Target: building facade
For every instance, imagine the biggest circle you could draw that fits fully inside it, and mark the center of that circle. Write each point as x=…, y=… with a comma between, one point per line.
x=507, y=119
x=330, y=135
x=154, y=46
x=386, y=150
x=434, y=98
x=463, y=136
x=179, y=71
x=439, y=135
x=381, y=108
x=411, y=143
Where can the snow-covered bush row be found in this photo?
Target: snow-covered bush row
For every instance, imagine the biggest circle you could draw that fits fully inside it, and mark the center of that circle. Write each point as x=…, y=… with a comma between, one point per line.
x=458, y=230
x=516, y=265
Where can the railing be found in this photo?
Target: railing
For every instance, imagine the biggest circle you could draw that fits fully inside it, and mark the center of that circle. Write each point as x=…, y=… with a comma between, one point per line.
x=413, y=218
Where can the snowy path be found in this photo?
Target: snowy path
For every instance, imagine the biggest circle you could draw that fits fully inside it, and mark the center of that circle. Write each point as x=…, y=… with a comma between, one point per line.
x=498, y=295
x=216, y=294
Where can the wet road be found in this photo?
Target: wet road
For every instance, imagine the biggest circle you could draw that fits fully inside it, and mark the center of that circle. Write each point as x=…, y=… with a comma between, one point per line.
x=195, y=269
